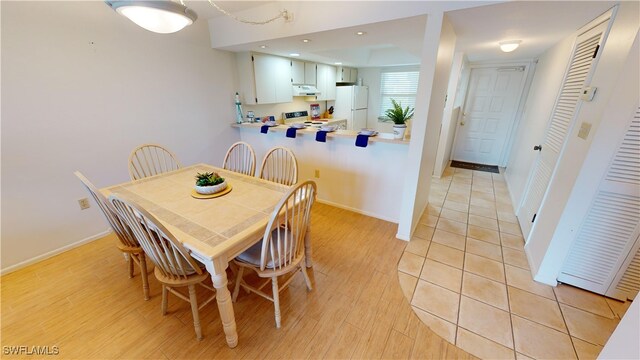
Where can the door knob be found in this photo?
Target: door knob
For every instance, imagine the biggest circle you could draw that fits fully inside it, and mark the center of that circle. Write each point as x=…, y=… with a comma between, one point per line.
x=538, y=147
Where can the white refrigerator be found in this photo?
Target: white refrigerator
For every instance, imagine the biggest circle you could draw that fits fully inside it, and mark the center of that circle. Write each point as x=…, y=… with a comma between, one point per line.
x=351, y=104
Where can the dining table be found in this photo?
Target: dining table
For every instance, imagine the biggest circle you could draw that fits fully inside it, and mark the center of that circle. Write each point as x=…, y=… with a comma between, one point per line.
x=214, y=230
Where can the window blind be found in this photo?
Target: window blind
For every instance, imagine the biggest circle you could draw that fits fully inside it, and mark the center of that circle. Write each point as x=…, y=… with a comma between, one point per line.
x=401, y=86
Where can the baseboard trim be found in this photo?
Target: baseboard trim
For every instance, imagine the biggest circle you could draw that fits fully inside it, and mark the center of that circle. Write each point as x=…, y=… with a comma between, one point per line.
x=53, y=253
x=377, y=216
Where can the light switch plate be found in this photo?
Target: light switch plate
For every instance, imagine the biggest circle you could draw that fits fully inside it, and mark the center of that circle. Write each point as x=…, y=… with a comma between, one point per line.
x=585, y=128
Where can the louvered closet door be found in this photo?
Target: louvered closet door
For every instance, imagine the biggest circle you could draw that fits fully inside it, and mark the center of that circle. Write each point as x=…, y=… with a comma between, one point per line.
x=583, y=61
x=604, y=254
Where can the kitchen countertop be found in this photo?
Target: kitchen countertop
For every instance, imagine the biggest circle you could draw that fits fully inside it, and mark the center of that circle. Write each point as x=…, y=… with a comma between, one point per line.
x=310, y=131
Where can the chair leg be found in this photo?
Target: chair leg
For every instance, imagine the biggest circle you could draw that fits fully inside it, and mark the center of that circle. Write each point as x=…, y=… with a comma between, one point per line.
x=194, y=311
x=306, y=277
x=164, y=299
x=130, y=265
x=236, y=290
x=144, y=275
x=276, y=299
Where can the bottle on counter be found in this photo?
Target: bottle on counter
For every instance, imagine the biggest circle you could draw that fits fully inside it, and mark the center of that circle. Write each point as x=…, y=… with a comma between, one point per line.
x=239, y=116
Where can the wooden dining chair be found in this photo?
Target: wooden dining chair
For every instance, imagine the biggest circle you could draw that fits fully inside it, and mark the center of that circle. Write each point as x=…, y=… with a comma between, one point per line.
x=127, y=242
x=279, y=165
x=151, y=159
x=240, y=158
x=281, y=250
x=175, y=267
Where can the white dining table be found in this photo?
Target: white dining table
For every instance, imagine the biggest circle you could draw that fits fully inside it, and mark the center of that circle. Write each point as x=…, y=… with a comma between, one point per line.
x=215, y=230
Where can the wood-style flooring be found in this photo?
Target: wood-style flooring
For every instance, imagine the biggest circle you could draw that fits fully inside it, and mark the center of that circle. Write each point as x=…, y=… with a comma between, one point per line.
x=83, y=302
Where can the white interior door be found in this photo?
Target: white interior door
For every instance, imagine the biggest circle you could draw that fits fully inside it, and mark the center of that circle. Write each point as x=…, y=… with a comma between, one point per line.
x=581, y=66
x=492, y=101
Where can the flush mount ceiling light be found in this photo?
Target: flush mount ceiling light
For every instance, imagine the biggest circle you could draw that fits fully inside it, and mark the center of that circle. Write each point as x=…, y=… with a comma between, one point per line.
x=360, y=33
x=294, y=54
x=305, y=40
x=263, y=46
x=509, y=46
x=163, y=17
x=166, y=16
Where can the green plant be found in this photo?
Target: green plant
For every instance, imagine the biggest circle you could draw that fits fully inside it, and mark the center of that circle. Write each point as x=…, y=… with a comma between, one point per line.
x=397, y=114
x=208, y=179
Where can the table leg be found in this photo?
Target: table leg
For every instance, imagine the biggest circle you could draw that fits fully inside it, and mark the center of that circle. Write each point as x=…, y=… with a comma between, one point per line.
x=216, y=268
x=307, y=247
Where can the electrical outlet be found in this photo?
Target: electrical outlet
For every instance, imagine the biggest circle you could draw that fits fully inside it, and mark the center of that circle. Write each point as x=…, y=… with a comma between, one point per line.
x=84, y=203
x=317, y=174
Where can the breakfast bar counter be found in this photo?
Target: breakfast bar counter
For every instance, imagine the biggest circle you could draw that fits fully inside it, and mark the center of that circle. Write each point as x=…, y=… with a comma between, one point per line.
x=368, y=180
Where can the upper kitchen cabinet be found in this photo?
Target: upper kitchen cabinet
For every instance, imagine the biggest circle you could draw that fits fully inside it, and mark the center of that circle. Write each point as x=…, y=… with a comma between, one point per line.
x=303, y=73
x=326, y=82
x=346, y=74
x=310, y=73
x=264, y=79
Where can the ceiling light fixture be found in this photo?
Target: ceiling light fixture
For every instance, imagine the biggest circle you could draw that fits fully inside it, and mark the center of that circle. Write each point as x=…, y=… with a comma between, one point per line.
x=338, y=63
x=305, y=40
x=360, y=33
x=509, y=46
x=163, y=17
x=294, y=54
x=167, y=16
x=263, y=46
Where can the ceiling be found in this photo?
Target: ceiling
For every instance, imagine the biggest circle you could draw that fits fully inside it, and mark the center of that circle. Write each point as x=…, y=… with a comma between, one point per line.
x=539, y=24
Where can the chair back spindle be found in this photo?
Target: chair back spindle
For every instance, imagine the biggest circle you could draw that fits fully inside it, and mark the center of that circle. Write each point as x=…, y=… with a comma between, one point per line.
x=240, y=158
x=283, y=241
x=167, y=253
x=151, y=159
x=123, y=232
x=280, y=165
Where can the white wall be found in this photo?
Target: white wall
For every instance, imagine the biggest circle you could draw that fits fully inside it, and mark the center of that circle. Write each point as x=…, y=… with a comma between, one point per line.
x=456, y=92
x=435, y=68
x=613, y=57
x=81, y=87
x=623, y=343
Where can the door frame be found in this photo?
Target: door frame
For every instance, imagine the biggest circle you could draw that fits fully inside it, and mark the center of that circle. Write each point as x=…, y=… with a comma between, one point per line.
x=517, y=115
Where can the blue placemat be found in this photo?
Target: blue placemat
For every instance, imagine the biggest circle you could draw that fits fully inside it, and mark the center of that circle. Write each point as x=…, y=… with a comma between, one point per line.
x=264, y=129
x=291, y=132
x=362, y=140
x=321, y=136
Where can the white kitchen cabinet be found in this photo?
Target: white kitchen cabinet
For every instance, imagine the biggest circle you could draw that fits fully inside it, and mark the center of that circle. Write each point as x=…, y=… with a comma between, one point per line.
x=264, y=79
x=326, y=82
x=346, y=74
x=298, y=72
x=310, y=73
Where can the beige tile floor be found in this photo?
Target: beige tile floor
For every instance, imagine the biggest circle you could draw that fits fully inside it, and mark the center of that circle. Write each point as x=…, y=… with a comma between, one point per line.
x=467, y=277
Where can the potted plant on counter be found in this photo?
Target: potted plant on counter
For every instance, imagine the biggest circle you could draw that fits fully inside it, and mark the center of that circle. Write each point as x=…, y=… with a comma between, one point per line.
x=209, y=183
x=399, y=116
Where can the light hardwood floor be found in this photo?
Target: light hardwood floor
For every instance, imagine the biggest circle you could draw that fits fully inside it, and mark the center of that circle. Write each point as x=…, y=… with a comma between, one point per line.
x=83, y=302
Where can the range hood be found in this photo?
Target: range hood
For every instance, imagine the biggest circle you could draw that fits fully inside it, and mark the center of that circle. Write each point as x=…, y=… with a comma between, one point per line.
x=305, y=90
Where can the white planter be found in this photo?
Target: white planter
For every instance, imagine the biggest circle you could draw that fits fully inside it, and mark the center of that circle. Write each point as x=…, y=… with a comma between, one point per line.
x=207, y=190
x=398, y=131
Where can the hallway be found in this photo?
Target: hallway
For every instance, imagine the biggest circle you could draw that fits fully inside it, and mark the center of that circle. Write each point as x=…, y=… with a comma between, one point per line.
x=467, y=277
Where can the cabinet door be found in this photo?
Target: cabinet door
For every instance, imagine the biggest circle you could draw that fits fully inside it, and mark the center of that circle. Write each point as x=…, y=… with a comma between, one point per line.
x=298, y=72
x=353, y=75
x=282, y=79
x=331, y=83
x=321, y=81
x=339, y=74
x=310, y=74
x=263, y=66
x=246, y=78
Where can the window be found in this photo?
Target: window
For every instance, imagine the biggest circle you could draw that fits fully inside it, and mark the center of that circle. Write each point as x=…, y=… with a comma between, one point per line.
x=400, y=85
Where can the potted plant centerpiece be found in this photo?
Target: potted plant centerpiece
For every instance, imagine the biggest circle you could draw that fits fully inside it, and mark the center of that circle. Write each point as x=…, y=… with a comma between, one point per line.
x=399, y=116
x=209, y=183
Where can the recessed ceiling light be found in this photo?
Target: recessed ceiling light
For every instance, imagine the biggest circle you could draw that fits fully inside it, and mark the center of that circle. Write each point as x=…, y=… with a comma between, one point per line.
x=338, y=63
x=263, y=46
x=360, y=33
x=294, y=54
x=509, y=46
x=305, y=40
